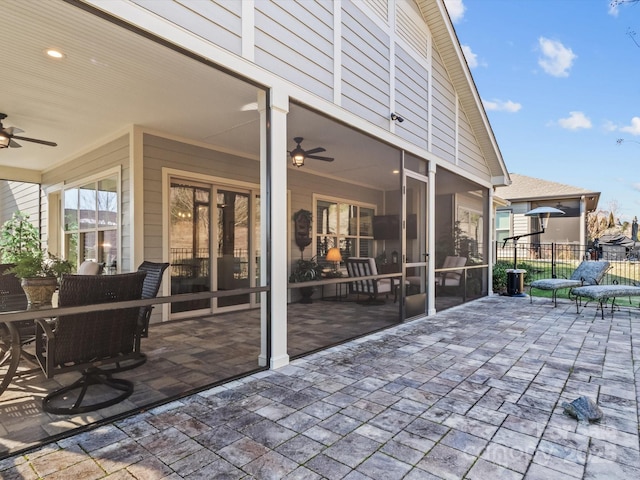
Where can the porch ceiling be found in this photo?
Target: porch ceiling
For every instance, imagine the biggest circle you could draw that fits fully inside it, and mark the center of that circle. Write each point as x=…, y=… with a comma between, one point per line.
x=111, y=78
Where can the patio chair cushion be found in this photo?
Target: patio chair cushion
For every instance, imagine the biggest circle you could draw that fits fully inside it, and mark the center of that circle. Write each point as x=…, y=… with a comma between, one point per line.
x=602, y=292
x=587, y=273
x=365, y=267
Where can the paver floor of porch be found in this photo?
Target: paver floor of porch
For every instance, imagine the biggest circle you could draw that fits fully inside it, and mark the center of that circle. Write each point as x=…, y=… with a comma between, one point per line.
x=184, y=355
x=473, y=392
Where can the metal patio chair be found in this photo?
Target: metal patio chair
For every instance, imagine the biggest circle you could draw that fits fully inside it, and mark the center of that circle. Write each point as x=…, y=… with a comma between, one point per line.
x=589, y=272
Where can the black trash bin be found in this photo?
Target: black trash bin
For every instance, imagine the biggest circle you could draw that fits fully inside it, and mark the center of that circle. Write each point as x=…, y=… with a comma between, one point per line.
x=515, y=282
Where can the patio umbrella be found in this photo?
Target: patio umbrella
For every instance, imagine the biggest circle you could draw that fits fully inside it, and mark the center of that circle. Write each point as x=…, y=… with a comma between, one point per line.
x=634, y=229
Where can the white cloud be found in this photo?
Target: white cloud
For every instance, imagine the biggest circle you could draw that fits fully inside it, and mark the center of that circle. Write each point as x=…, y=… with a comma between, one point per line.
x=556, y=59
x=472, y=58
x=502, y=106
x=634, y=128
x=575, y=121
x=609, y=126
x=613, y=9
x=456, y=9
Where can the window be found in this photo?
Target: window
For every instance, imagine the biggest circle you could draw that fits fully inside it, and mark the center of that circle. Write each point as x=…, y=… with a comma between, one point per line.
x=91, y=222
x=344, y=225
x=503, y=225
x=471, y=230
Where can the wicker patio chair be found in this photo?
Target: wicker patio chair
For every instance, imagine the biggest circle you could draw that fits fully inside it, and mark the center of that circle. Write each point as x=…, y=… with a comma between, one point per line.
x=85, y=342
x=150, y=290
x=12, y=298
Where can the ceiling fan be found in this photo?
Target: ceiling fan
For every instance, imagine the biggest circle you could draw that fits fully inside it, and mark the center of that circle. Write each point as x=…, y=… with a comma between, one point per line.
x=298, y=155
x=7, y=136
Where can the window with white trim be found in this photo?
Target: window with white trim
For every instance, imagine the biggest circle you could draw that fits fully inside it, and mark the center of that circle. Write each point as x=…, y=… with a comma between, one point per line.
x=503, y=225
x=91, y=221
x=345, y=225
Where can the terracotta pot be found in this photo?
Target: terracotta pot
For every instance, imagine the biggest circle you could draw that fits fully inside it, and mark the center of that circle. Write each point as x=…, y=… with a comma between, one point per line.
x=39, y=290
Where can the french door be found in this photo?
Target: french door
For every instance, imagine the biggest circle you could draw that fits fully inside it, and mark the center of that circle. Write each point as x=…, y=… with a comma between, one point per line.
x=212, y=237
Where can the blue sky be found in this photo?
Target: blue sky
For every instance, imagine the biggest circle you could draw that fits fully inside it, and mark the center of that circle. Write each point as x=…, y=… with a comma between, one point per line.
x=560, y=83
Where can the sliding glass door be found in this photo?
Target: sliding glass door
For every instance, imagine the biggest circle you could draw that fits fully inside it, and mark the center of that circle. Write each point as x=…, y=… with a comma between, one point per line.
x=229, y=228
x=190, y=233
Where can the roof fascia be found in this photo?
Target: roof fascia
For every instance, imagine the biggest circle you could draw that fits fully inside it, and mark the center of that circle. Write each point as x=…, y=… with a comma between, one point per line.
x=447, y=43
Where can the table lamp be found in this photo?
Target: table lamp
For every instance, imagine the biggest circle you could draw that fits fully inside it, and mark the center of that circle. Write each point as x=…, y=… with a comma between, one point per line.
x=334, y=256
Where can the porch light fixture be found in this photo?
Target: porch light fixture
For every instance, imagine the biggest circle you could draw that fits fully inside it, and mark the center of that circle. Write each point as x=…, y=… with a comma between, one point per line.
x=297, y=157
x=396, y=118
x=334, y=256
x=4, y=140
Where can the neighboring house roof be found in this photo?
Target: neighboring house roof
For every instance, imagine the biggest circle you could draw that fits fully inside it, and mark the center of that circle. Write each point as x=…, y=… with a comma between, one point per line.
x=530, y=188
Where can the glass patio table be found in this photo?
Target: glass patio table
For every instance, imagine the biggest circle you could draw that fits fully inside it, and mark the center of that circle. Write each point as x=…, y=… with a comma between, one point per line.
x=17, y=332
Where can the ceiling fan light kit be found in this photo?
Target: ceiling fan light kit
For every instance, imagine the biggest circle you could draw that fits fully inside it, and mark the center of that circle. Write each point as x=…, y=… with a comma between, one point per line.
x=298, y=154
x=8, y=134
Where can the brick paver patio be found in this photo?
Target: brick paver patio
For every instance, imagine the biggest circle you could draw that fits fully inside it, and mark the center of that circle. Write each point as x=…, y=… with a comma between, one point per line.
x=473, y=392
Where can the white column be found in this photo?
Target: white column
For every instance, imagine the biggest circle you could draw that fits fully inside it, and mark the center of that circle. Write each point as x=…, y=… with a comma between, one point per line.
x=431, y=229
x=273, y=185
x=491, y=237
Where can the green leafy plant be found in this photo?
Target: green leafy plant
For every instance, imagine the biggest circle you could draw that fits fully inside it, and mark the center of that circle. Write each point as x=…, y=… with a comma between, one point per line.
x=30, y=264
x=18, y=236
x=305, y=271
x=500, y=274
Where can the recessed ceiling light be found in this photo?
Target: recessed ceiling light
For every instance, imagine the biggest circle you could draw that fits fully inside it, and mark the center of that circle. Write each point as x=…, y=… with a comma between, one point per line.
x=53, y=53
x=396, y=171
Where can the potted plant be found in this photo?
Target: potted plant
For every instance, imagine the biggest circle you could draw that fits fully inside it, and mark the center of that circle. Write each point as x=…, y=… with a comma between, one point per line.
x=306, y=271
x=18, y=235
x=20, y=248
x=39, y=274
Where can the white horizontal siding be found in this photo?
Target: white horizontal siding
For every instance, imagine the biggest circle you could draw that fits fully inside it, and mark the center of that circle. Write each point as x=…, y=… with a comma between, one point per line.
x=379, y=7
x=443, y=111
x=412, y=29
x=218, y=22
x=469, y=154
x=19, y=197
x=295, y=41
x=412, y=98
x=365, y=66
x=520, y=224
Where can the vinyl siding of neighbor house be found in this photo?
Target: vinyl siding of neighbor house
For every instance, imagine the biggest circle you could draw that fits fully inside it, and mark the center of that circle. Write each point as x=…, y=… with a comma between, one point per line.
x=106, y=157
x=366, y=71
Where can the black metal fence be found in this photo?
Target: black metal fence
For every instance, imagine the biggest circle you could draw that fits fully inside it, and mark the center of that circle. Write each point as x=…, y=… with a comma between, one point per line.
x=559, y=260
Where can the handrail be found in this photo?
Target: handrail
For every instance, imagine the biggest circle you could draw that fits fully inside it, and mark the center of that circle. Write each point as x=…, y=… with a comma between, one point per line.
x=50, y=311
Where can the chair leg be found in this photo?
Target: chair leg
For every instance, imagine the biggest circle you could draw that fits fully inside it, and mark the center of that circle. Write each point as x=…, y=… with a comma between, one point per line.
x=91, y=377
